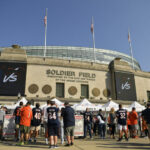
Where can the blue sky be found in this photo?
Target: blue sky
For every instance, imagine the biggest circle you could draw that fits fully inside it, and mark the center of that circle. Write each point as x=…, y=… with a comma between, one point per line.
x=69, y=24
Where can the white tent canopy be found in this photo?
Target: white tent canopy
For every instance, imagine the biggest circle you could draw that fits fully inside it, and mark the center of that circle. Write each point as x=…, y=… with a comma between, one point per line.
x=23, y=99
x=83, y=105
x=137, y=105
x=109, y=105
x=17, y=104
x=57, y=102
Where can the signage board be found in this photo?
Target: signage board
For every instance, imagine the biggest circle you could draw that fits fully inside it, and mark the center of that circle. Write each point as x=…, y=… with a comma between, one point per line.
x=12, y=78
x=125, y=86
x=79, y=125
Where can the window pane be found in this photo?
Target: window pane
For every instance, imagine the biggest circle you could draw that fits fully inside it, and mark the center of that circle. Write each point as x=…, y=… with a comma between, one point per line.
x=60, y=90
x=85, y=91
x=148, y=95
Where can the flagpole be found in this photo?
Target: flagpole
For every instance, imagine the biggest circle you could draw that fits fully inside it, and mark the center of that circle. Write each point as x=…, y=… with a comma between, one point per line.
x=93, y=36
x=45, y=23
x=129, y=39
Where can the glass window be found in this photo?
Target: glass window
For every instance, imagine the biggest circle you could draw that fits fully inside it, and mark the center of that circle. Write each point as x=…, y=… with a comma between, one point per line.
x=148, y=95
x=60, y=90
x=85, y=90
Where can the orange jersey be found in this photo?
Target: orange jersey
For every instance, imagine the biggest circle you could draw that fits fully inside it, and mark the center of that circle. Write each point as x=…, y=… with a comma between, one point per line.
x=26, y=116
x=133, y=116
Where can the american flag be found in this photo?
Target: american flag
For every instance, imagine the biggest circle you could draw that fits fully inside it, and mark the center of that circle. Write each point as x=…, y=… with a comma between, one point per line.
x=129, y=36
x=92, y=27
x=45, y=20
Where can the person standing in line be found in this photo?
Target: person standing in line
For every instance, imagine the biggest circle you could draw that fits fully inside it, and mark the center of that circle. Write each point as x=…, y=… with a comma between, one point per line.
x=17, y=121
x=25, y=122
x=146, y=116
x=112, y=122
x=69, y=123
x=45, y=120
x=35, y=122
x=129, y=125
x=133, y=116
x=87, y=123
x=53, y=124
x=121, y=115
x=101, y=126
x=62, y=127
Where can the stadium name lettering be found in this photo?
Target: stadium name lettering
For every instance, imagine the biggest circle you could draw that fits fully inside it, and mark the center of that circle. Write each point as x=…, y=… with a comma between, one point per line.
x=69, y=73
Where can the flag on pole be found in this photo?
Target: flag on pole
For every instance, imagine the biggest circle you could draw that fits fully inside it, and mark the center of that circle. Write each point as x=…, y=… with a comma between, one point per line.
x=45, y=20
x=92, y=31
x=92, y=27
x=129, y=36
x=45, y=23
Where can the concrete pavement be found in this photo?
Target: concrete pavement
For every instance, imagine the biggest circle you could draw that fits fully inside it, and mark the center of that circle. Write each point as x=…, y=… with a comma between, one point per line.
x=84, y=144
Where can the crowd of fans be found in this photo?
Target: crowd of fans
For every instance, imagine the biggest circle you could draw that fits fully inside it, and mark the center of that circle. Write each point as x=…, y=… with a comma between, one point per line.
x=28, y=123
x=62, y=123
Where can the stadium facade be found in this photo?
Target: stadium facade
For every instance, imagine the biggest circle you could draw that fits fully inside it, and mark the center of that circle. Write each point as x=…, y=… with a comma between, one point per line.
x=71, y=73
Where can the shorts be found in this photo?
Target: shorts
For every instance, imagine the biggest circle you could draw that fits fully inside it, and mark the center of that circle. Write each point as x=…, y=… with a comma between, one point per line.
x=35, y=128
x=134, y=127
x=53, y=130
x=17, y=126
x=122, y=127
x=129, y=127
x=69, y=131
x=24, y=129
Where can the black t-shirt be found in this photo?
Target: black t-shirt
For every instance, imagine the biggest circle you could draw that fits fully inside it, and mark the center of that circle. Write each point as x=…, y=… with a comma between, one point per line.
x=53, y=116
x=87, y=117
x=17, y=114
x=68, y=116
x=37, y=116
x=121, y=114
x=146, y=115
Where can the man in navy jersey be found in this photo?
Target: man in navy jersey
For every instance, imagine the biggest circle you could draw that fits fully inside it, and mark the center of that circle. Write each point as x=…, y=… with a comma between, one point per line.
x=121, y=115
x=146, y=115
x=87, y=122
x=17, y=119
x=35, y=122
x=53, y=124
x=69, y=123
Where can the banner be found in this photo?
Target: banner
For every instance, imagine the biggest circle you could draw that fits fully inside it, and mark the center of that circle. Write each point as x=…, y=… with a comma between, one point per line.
x=125, y=86
x=8, y=126
x=79, y=125
x=12, y=78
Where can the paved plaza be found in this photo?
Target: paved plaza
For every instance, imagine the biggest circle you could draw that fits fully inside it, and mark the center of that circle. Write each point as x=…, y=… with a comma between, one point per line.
x=83, y=144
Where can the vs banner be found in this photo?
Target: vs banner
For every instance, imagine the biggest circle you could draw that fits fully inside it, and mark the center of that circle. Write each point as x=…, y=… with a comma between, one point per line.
x=125, y=86
x=12, y=78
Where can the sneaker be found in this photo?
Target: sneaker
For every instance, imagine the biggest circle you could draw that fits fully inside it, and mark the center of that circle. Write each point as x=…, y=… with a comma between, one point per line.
x=46, y=141
x=120, y=139
x=20, y=144
x=34, y=140
x=67, y=145
x=26, y=142
x=127, y=139
x=17, y=140
x=72, y=143
x=56, y=146
x=136, y=137
x=30, y=140
x=51, y=146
